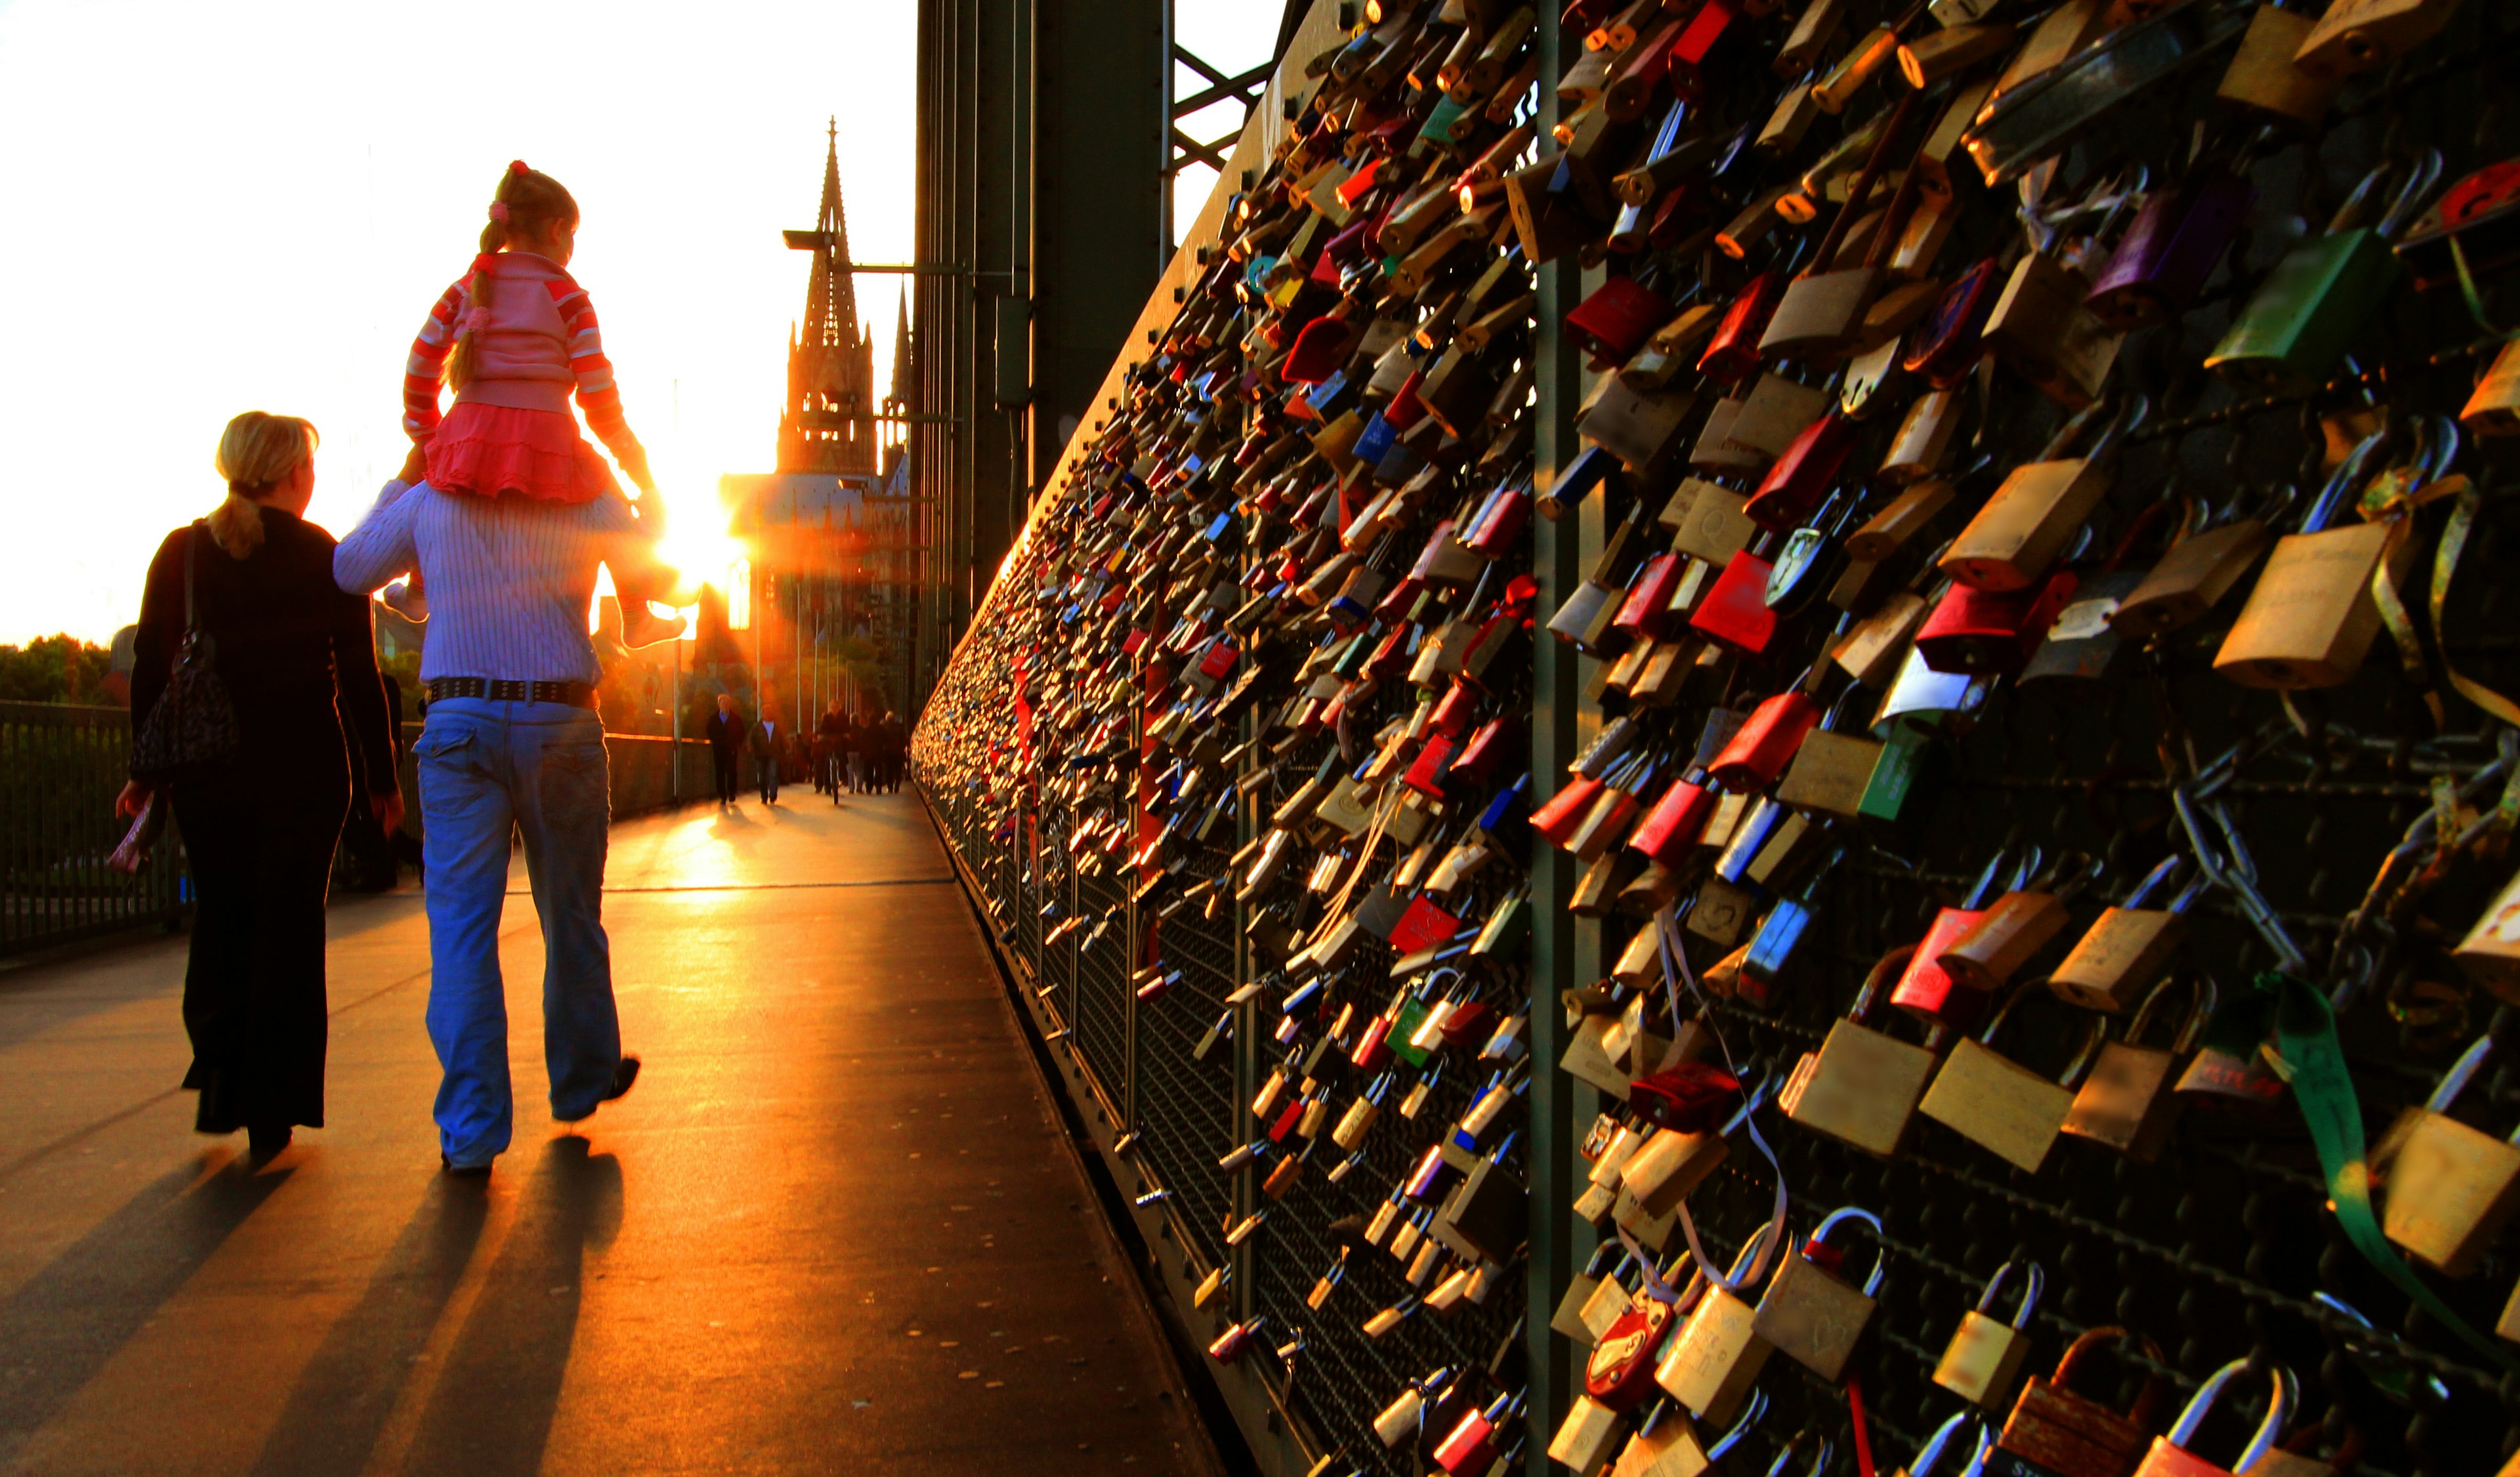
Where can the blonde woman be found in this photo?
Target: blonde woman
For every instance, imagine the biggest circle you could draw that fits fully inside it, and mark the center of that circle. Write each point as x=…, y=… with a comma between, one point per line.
x=298, y=661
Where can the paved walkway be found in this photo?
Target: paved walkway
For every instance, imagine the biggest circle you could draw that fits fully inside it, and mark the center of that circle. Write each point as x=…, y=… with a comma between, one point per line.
x=832, y=1231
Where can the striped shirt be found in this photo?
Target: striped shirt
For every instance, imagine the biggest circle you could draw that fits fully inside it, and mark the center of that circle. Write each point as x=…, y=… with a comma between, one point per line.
x=510, y=580
x=542, y=340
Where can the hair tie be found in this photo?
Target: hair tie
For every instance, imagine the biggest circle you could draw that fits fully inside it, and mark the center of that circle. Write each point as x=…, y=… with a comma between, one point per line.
x=517, y=166
x=499, y=212
x=476, y=321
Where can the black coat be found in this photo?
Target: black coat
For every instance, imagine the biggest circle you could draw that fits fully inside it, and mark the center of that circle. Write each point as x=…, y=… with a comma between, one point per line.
x=726, y=734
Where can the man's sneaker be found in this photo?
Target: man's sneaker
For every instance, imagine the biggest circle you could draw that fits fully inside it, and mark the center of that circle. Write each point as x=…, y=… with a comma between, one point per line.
x=481, y=1171
x=404, y=601
x=643, y=627
x=625, y=1074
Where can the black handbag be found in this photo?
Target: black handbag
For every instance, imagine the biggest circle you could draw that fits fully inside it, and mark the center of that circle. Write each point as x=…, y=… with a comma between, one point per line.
x=193, y=726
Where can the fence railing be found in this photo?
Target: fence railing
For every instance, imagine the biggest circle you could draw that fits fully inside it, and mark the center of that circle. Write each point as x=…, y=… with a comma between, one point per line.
x=62, y=766
x=59, y=770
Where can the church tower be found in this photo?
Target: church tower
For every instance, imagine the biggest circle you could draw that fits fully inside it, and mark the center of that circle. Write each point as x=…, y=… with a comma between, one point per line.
x=828, y=425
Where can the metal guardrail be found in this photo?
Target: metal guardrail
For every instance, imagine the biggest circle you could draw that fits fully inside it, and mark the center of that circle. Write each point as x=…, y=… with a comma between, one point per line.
x=59, y=770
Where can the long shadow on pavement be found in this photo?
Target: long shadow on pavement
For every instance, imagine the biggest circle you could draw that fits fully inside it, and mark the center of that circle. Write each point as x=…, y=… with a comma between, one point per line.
x=349, y=1389
x=59, y=1329
x=491, y=1413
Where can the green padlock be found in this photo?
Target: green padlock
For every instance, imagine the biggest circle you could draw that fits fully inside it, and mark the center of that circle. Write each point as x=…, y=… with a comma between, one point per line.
x=1897, y=781
x=2309, y=310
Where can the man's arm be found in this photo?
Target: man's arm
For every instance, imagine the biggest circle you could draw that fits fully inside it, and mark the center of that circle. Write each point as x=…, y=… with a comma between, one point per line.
x=380, y=547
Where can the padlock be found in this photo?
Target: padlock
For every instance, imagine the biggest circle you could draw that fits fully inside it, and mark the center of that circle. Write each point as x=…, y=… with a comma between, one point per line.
x=1471, y=1447
x=1952, y=338
x=2493, y=408
x=1734, y=612
x=2310, y=618
x=1924, y=990
x=1662, y=1173
x=1668, y=831
x=1915, y=454
x=1401, y=1420
x=2194, y=574
x=1667, y=1445
x=1953, y=1439
x=1619, y=1370
x=1811, y=1314
x=2358, y=35
x=1804, y=473
x=1706, y=521
x=1586, y=1439
x=1733, y=352
x=2313, y=302
x=1713, y=1361
x=2016, y=926
x=2170, y=1457
x=1985, y=1357
x=2001, y=1105
x=2490, y=955
x=2055, y=94
x=2126, y=1103
x=1823, y=310
x=2053, y=1431
x=2123, y=951
x=2178, y=236
x=2263, y=78
x=2041, y=327
x=2475, y=227
x=2026, y=523
x=1831, y=770
x=1862, y=1085
x=2451, y=1189
x=1762, y=747
x=1972, y=632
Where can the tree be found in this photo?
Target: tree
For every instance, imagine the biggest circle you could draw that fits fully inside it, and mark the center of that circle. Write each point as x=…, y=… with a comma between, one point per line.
x=56, y=669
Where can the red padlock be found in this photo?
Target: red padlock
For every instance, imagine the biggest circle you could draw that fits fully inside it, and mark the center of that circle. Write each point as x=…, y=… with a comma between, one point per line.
x=1557, y=816
x=1479, y=757
x=1924, y=990
x=1455, y=709
x=1620, y=1371
x=1470, y=1448
x=1981, y=631
x=1614, y=319
x=1734, y=352
x=1500, y=521
x=1647, y=611
x=1762, y=747
x=1669, y=831
x=1428, y=774
x=1735, y=612
x=1373, y=1045
x=1804, y=475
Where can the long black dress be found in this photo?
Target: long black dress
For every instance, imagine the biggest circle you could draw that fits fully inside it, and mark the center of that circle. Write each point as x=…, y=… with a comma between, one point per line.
x=298, y=658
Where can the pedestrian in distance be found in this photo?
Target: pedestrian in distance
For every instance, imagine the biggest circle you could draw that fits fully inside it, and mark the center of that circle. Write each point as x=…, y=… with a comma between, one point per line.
x=296, y=655
x=763, y=740
x=726, y=744
x=833, y=736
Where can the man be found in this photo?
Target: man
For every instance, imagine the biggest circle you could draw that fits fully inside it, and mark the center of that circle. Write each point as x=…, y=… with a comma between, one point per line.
x=511, y=743
x=834, y=746
x=763, y=740
x=726, y=741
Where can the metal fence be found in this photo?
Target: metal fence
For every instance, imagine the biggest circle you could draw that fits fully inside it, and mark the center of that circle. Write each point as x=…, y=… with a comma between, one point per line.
x=59, y=770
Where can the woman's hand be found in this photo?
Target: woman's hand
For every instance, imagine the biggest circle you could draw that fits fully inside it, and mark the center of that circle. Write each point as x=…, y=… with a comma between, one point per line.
x=415, y=467
x=386, y=807
x=134, y=798
x=634, y=467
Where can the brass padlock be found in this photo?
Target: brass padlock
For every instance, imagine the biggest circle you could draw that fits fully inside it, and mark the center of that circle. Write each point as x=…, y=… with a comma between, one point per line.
x=2123, y=951
x=1999, y=1104
x=2263, y=78
x=1923, y=440
x=2170, y=1457
x=2310, y=618
x=2451, y=1189
x=1667, y=1445
x=2041, y=506
x=2126, y=1104
x=1810, y=1313
x=1984, y=1358
x=2195, y=573
x=2358, y=35
x=2493, y=408
x=2042, y=326
x=1861, y=1087
x=2016, y=926
x=2490, y=955
x=1712, y=1362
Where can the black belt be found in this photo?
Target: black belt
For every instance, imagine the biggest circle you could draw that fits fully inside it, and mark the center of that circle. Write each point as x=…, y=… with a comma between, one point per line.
x=577, y=694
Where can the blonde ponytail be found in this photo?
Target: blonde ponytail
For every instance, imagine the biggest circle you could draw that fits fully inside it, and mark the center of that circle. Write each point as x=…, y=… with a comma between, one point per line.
x=525, y=206
x=256, y=452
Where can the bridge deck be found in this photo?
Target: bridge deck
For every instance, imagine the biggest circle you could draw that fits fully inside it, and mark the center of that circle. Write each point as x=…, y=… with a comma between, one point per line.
x=833, y=1230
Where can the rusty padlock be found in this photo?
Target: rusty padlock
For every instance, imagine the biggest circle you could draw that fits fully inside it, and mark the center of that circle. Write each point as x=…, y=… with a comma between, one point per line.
x=2001, y=1105
x=2028, y=520
x=1985, y=1357
x=2053, y=1431
x=2451, y=1189
x=2126, y=1103
x=1808, y=1312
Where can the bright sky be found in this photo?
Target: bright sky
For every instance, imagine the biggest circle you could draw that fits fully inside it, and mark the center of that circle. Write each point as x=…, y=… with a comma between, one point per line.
x=251, y=204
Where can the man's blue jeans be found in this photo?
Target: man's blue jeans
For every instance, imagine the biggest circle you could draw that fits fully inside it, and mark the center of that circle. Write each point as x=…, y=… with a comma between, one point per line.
x=487, y=768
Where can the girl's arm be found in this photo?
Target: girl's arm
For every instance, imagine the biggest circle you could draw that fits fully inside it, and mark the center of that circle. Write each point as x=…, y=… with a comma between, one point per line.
x=427, y=367
x=597, y=395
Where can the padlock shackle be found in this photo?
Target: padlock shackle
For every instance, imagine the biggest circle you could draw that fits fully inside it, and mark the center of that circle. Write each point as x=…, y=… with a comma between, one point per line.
x=1880, y=1253
x=2031, y=1285
x=1785, y=1454
x=2341, y=483
x=1884, y=971
x=2456, y=1080
x=2278, y=1414
x=1752, y=1409
x=2148, y=1400
x=2159, y=876
x=1931, y=1453
x=2201, y=1000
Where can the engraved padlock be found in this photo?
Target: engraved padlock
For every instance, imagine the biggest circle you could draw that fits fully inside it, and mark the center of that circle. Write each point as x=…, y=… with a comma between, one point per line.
x=1811, y=1314
x=1985, y=1357
x=2124, y=950
x=2311, y=617
x=1713, y=1363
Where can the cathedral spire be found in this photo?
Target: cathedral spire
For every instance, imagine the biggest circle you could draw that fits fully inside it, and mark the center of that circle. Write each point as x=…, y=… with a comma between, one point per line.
x=901, y=380
x=828, y=425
